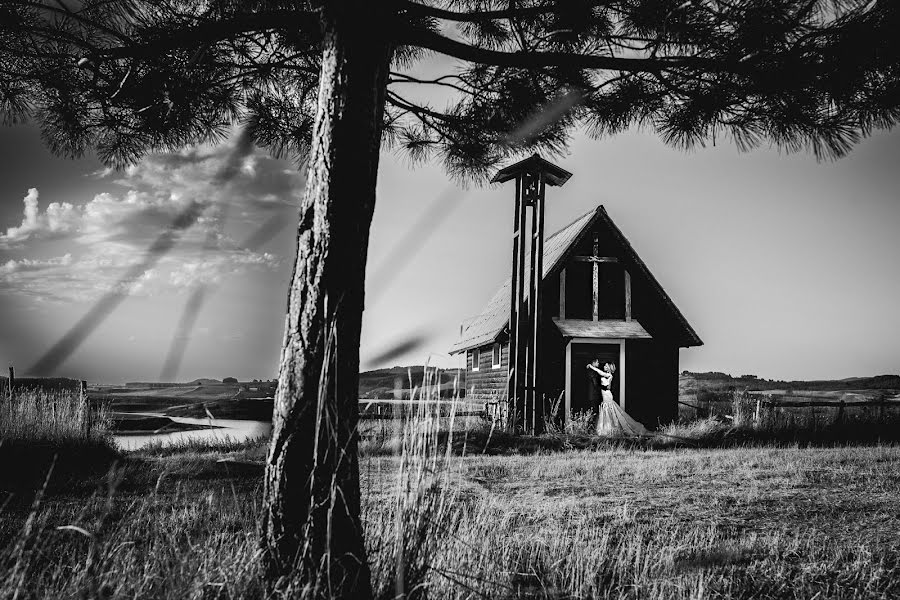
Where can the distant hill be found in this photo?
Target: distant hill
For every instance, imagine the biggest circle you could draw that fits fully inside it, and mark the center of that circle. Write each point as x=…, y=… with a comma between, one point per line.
x=380, y=383
x=715, y=380
x=204, y=381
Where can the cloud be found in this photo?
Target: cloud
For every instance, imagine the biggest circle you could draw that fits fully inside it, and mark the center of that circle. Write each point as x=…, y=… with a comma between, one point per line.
x=31, y=209
x=134, y=219
x=137, y=218
x=20, y=266
x=57, y=220
x=236, y=174
x=99, y=272
x=215, y=269
x=237, y=186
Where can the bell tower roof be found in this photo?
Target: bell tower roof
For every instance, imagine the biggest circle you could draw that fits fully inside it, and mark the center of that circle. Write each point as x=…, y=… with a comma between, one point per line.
x=553, y=175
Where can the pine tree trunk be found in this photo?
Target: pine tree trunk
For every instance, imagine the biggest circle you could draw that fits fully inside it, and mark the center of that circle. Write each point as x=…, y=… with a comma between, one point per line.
x=311, y=530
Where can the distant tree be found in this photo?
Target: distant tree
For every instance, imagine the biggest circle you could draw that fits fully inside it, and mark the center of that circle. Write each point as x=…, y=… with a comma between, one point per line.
x=332, y=82
x=230, y=380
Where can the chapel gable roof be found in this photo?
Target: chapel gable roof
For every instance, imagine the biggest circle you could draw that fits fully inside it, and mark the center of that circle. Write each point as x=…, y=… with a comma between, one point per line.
x=493, y=320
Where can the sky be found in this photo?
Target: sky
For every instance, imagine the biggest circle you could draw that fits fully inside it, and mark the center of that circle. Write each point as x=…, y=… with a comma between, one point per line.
x=785, y=266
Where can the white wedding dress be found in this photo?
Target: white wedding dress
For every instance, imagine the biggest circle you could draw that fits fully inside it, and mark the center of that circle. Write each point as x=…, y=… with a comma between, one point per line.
x=612, y=420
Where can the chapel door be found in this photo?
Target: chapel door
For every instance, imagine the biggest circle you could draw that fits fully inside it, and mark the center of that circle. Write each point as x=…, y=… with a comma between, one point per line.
x=582, y=354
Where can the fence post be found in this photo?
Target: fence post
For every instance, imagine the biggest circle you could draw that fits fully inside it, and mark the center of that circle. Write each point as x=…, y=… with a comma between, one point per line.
x=82, y=394
x=11, y=384
x=756, y=414
x=840, y=415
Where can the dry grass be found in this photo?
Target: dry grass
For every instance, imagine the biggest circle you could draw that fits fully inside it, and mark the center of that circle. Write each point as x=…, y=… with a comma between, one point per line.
x=618, y=523
x=40, y=417
x=40, y=430
x=444, y=520
x=154, y=531
x=741, y=522
x=225, y=445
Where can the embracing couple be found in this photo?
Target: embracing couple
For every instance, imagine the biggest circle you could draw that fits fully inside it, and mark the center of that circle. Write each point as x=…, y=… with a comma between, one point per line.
x=612, y=420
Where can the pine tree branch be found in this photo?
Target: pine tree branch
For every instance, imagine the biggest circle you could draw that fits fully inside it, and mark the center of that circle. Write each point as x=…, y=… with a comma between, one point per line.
x=417, y=9
x=428, y=119
x=436, y=42
x=68, y=13
x=417, y=109
x=404, y=78
x=220, y=30
x=191, y=37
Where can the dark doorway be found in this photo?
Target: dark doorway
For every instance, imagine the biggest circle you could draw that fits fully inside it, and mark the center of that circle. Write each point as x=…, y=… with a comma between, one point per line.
x=582, y=354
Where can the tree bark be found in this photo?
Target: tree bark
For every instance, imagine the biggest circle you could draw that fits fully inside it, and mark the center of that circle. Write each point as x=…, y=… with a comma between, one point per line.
x=311, y=532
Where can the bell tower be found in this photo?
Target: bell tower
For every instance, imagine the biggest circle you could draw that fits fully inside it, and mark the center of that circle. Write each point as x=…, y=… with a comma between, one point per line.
x=525, y=398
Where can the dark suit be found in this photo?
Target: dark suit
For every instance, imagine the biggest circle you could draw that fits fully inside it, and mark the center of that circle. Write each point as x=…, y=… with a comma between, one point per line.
x=594, y=387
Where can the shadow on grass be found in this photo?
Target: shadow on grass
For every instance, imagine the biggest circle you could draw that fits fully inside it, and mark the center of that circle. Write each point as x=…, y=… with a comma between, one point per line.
x=82, y=468
x=72, y=466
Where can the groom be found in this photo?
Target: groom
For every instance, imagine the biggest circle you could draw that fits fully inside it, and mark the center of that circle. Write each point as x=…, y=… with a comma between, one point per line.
x=594, y=384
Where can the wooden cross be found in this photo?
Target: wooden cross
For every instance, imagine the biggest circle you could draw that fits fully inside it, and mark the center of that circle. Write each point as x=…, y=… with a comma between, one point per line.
x=595, y=259
x=595, y=266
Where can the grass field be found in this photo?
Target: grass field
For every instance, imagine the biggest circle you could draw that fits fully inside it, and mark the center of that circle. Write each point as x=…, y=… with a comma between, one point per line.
x=738, y=522
x=707, y=509
x=750, y=522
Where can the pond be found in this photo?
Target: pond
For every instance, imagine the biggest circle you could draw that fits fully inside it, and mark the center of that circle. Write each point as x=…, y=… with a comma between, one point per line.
x=374, y=414
x=232, y=429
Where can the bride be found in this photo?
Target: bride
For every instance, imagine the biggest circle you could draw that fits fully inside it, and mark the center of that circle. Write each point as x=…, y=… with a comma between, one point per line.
x=612, y=420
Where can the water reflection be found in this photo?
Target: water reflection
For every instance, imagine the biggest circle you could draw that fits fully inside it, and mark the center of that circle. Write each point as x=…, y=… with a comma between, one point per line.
x=232, y=429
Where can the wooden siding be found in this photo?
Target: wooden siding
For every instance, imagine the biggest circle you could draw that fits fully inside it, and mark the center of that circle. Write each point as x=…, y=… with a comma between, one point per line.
x=579, y=299
x=553, y=361
x=651, y=381
x=611, y=296
x=488, y=382
x=550, y=296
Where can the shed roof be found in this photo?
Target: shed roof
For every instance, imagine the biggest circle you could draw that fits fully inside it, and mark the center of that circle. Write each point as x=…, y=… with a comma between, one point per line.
x=484, y=328
x=605, y=328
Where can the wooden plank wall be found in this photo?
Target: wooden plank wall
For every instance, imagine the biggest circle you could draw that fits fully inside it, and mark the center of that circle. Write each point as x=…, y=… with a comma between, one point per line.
x=488, y=382
x=651, y=381
x=553, y=359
